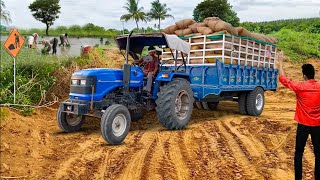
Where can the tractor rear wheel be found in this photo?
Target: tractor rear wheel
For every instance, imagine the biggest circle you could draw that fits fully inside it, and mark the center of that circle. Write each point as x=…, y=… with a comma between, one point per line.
x=69, y=122
x=115, y=124
x=255, y=102
x=175, y=104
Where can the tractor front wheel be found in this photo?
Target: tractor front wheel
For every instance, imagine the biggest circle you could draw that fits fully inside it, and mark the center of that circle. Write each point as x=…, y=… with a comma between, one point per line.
x=69, y=122
x=115, y=124
x=175, y=104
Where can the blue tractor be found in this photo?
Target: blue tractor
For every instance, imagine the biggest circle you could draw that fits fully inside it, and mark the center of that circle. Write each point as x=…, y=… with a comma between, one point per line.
x=117, y=96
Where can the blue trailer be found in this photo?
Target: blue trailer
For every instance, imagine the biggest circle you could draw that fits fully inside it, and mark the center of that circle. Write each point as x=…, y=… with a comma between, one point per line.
x=241, y=73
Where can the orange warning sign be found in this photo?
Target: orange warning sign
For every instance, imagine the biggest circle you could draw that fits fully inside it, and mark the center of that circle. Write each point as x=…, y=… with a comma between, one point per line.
x=14, y=43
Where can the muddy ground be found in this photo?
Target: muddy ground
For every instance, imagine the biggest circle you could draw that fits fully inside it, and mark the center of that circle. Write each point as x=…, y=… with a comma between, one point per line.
x=219, y=144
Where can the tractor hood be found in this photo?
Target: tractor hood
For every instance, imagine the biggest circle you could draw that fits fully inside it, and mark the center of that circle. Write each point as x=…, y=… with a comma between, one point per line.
x=97, y=72
x=103, y=80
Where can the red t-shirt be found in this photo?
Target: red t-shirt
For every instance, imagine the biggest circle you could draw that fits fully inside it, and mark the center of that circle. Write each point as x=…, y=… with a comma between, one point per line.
x=308, y=100
x=150, y=66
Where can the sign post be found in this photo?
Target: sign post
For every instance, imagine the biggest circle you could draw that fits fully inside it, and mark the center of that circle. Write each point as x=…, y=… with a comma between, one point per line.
x=14, y=80
x=13, y=45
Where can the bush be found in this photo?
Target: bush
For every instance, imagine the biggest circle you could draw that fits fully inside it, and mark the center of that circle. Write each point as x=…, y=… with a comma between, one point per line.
x=36, y=75
x=33, y=76
x=298, y=45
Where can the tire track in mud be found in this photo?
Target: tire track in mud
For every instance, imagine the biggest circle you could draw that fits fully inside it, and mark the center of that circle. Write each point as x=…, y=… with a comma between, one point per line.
x=171, y=163
x=184, y=151
x=200, y=154
x=240, y=152
x=244, y=144
x=65, y=169
x=274, y=158
x=254, y=147
x=121, y=157
x=205, y=156
x=229, y=168
x=137, y=168
x=91, y=156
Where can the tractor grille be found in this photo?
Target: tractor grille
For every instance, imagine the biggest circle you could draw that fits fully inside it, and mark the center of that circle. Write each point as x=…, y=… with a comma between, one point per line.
x=79, y=88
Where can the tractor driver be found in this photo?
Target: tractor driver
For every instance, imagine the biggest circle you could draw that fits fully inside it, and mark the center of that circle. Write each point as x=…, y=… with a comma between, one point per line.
x=150, y=68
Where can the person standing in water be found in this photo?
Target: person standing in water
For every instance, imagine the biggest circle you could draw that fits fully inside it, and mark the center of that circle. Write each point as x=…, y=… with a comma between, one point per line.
x=36, y=37
x=30, y=41
x=47, y=47
x=64, y=39
x=54, y=42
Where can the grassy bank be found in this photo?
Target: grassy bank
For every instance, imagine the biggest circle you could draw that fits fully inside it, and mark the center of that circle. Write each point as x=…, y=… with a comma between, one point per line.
x=33, y=76
x=310, y=25
x=298, y=45
x=38, y=76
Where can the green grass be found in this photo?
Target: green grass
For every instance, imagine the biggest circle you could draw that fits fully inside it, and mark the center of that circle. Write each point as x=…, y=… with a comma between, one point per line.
x=298, y=45
x=34, y=73
x=311, y=25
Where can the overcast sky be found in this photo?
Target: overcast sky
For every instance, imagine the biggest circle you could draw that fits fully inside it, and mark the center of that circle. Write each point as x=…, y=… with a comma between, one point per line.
x=107, y=13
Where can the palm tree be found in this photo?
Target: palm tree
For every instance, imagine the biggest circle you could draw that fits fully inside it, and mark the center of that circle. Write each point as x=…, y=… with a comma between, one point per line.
x=134, y=12
x=5, y=15
x=159, y=11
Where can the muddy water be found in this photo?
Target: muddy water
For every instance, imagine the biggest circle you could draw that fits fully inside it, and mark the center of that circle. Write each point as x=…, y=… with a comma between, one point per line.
x=76, y=44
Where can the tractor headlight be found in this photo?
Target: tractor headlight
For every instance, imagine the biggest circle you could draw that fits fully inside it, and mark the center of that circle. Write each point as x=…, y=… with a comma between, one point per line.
x=74, y=82
x=83, y=82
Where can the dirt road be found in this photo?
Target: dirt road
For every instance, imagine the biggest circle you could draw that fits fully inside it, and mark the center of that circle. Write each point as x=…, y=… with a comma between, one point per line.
x=219, y=144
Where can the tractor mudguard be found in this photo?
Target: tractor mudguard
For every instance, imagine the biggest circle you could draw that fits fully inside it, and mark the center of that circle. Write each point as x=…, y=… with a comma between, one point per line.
x=168, y=76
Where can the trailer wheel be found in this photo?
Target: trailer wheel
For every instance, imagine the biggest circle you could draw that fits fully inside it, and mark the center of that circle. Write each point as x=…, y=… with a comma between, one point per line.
x=213, y=105
x=255, y=102
x=242, y=103
x=199, y=105
x=115, y=124
x=69, y=122
x=205, y=105
x=175, y=104
x=210, y=105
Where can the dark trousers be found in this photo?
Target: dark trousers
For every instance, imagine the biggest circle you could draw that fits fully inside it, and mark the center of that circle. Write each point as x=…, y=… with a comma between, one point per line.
x=301, y=140
x=54, y=46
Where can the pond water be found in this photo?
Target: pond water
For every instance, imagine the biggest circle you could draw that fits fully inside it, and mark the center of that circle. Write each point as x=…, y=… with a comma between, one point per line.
x=74, y=49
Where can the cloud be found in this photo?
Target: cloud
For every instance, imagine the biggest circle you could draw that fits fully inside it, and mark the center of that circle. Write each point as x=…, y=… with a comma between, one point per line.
x=242, y=5
x=107, y=13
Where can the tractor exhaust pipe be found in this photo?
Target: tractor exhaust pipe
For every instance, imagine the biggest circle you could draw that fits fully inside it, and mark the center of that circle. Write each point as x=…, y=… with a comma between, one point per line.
x=128, y=47
x=127, y=67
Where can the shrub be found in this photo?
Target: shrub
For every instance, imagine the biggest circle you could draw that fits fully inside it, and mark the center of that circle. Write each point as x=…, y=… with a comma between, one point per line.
x=299, y=45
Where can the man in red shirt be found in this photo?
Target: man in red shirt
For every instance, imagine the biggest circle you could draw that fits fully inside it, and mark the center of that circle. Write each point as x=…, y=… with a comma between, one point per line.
x=307, y=114
x=150, y=67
